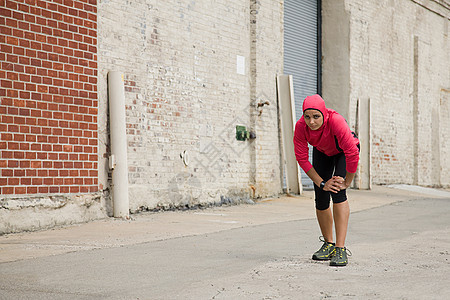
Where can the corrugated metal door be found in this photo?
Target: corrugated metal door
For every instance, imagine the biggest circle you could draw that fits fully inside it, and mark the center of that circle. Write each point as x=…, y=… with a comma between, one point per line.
x=301, y=53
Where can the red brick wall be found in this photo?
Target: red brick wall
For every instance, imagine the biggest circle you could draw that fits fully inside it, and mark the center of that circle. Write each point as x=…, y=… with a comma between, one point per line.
x=48, y=96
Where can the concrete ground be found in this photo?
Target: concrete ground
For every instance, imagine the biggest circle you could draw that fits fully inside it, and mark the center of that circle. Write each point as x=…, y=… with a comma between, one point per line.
x=399, y=237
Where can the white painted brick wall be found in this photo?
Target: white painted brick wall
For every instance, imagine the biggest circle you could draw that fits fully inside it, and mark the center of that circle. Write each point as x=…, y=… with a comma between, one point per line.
x=183, y=94
x=382, y=69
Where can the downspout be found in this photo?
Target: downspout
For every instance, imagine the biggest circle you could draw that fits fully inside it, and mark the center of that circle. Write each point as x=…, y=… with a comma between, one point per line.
x=118, y=135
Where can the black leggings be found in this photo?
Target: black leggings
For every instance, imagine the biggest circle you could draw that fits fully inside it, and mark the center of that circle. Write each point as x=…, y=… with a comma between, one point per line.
x=324, y=166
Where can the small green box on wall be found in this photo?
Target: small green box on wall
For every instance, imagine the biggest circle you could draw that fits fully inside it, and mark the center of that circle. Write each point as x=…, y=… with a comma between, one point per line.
x=241, y=133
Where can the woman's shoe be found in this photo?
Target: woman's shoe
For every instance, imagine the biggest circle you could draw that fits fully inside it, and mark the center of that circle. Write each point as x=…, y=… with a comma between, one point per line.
x=339, y=258
x=325, y=252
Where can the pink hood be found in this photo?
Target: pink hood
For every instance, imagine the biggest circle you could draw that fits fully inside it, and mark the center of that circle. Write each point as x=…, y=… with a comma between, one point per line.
x=316, y=102
x=333, y=137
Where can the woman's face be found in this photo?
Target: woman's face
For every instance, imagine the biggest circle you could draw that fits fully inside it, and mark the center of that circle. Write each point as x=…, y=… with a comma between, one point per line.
x=313, y=118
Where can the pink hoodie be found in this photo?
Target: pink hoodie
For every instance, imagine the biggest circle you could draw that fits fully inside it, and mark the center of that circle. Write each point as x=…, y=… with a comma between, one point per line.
x=333, y=137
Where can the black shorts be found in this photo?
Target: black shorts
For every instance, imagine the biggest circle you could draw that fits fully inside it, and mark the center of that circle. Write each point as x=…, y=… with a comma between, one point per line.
x=325, y=166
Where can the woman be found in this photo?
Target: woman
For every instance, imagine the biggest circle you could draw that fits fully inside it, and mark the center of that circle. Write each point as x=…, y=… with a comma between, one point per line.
x=336, y=149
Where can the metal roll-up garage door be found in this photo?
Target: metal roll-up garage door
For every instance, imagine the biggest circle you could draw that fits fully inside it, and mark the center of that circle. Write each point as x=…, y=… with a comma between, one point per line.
x=301, y=53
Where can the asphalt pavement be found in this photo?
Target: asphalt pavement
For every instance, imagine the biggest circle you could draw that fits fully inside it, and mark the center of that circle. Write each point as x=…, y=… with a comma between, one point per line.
x=399, y=237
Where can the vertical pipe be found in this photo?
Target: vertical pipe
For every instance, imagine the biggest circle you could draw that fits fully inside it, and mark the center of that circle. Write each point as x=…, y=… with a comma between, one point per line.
x=416, y=111
x=319, y=47
x=118, y=136
x=363, y=131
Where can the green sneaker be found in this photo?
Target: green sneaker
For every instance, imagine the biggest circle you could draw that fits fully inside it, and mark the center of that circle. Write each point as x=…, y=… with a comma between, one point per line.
x=339, y=258
x=325, y=252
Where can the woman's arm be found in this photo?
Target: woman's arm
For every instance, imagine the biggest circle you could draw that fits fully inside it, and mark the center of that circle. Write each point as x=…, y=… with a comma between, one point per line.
x=348, y=143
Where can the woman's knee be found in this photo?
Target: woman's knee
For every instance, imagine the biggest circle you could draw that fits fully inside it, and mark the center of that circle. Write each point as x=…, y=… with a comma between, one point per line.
x=322, y=204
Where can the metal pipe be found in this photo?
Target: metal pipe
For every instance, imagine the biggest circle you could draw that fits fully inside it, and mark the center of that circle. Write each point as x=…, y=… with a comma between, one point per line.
x=118, y=135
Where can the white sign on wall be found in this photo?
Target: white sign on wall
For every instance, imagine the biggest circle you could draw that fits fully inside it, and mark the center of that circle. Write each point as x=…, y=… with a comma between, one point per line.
x=240, y=64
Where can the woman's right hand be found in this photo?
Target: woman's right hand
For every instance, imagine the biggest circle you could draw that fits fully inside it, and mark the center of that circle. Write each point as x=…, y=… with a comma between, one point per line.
x=333, y=184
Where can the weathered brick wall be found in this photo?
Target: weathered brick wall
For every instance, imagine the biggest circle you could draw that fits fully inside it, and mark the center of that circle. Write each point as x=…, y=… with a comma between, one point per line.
x=398, y=54
x=183, y=93
x=382, y=68
x=48, y=109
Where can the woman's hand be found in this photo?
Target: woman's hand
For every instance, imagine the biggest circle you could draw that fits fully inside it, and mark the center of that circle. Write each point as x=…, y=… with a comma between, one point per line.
x=334, y=184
